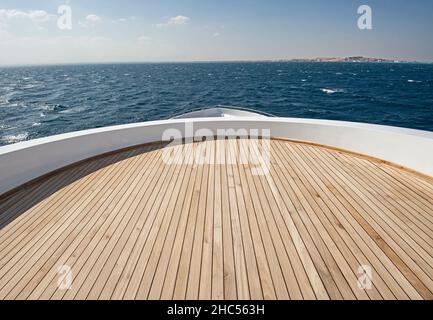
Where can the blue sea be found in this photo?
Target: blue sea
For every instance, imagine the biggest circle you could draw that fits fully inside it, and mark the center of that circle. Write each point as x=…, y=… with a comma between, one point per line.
x=46, y=100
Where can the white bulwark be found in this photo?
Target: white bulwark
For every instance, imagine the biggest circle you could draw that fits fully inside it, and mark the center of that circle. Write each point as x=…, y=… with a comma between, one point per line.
x=23, y=162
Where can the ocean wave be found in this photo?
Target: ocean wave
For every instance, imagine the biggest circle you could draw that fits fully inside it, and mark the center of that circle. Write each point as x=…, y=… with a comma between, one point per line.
x=297, y=104
x=73, y=110
x=413, y=81
x=332, y=91
x=6, y=98
x=47, y=107
x=52, y=107
x=30, y=86
x=15, y=138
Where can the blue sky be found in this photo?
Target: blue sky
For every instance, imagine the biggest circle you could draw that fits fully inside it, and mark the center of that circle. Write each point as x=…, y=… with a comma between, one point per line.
x=198, y=30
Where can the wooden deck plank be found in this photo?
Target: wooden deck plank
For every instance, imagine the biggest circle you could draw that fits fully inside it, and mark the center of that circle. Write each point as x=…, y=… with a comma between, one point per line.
x=385, y=242
x=102, y=270
x=261, y=254
x=120, y=277
x=181, y=283
x=61, y=255
x=338, y=248
x=346, y=215
x=153, y=278
x=328, y=214
x=30, y=220
x=390, y=216
x=83, y=266
x=401, y=207
x=205, y=288
x=217, y=250
x=230, y=292
x=193, y=282
x=314, y=209
x=168, y=285
x=242, y=285
x=254, y=283
x=136, y=287
x=286, y=262
x=396, y=236
x=404, y=197
x=50, y=232
x=131, y=226
x=68, y=257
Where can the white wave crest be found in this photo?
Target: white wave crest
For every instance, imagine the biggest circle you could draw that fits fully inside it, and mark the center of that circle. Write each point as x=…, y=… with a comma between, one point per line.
x=15, y=138
x=332, y=91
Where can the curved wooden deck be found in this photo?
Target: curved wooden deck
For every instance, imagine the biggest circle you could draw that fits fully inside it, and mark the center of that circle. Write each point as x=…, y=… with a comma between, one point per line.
x=130, y=226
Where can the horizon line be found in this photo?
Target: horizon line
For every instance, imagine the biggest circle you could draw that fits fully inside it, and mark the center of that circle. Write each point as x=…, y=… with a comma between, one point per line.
x=311, y=60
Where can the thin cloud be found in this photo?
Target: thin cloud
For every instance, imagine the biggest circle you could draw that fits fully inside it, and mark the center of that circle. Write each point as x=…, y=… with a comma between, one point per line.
x=175, y=21
x=125, y=19
x=36, y=16
x=93, y=18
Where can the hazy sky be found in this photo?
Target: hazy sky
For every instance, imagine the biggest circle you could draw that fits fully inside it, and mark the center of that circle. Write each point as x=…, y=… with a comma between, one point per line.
x=196, y=30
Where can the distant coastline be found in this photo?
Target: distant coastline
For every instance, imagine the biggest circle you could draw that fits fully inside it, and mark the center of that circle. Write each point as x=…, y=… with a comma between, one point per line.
x=355, y=59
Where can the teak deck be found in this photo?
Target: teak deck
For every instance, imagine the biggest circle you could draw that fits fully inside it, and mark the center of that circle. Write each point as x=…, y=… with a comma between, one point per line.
x=129, y=226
